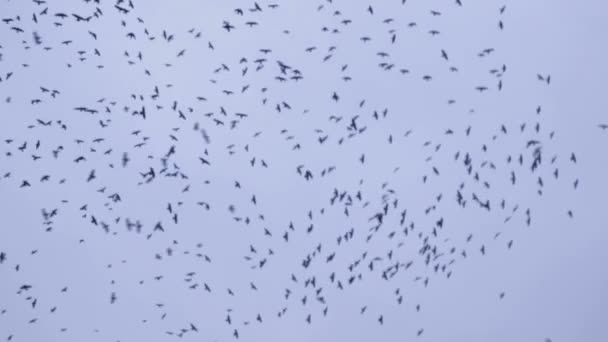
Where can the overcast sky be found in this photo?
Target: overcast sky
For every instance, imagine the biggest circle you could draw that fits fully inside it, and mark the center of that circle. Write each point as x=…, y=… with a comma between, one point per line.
x=382, y=112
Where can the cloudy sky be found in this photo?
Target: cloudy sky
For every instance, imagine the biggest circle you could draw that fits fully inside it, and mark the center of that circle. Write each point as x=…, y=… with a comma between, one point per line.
x=308, y=160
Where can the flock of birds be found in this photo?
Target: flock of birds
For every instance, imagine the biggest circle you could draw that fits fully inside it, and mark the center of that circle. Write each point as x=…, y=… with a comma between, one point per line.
x=272, y=131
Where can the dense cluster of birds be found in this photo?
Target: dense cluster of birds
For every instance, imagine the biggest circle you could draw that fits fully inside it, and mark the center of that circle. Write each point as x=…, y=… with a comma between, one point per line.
x=289, y=165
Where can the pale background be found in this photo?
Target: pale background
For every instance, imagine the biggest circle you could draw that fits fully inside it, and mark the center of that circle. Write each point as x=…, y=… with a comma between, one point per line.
x=554, y=277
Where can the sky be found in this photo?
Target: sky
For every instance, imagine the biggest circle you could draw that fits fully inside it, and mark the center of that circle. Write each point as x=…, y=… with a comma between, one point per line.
x=389, y=139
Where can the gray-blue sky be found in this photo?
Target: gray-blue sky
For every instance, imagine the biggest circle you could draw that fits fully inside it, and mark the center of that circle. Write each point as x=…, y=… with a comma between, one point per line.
x=553, y=276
